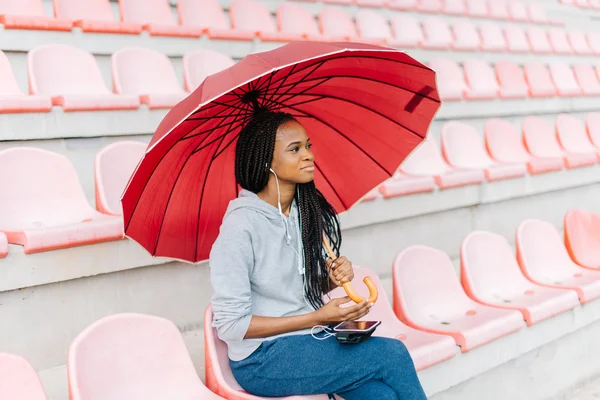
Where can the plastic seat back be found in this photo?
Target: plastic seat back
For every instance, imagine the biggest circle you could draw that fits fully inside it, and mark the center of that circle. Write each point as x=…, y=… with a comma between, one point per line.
x=504, y=143
x=539, y=80
x=537, y=13
x=594, y=42
x=499, y=9
x=8, y=82
x=462, y=146
x=481, y=79
x=518, y=11
x=336, y=23
x=492, y=38
x=146, y=12
x=477, y=8
x=466, y=36
x=372, y=25
x=593, y=128
x=97, y=10
x=113, y=167
x=430, y=6
x=450, y=79
x=406, y=30
x=202, y=14
x=572, y=135
x=579, y=42
x=539, y=138
x=582, y=237
x=564, y=80
x=511, y=79
x=140, y=71
x=199, y=64
x=426, y=159
x=437, y=33
x=559, y=41
x=56, y=69
x=249, y=15
x=455, y=7
x=294, y=19
x=34, y=8
x=538, y=40
x=516, y=40
x=18, y=379
x=125, y=356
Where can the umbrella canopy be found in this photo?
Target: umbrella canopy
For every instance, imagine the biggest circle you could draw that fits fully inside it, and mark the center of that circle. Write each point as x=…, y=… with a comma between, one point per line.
x=364, y=107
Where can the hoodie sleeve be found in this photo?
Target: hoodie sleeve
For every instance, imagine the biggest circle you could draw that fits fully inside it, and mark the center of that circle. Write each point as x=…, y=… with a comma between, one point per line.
x=231, y=265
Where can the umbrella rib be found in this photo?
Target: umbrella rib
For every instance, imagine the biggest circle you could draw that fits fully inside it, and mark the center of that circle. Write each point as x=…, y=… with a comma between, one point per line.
x=278, y=97
x=219, y=125
x=223, y=135
x=346, y=137
x=169, y=201
x=126, y=225
x=200, y=204
x=331, y=186
x=376, y=81
x=284, y=79
x=274, y=94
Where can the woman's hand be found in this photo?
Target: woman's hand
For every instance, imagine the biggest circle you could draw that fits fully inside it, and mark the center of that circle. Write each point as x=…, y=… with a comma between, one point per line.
x=332, y=312
x=340, y=270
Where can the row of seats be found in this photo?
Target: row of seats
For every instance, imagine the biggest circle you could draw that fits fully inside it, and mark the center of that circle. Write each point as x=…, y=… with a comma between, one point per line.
x=200, y=17
x=40, y=225
x=478, y=80
x=499, y=295
x=144, y=76
x=593, y=4
x=68, y=77
x=404, y=30
x=466, y=159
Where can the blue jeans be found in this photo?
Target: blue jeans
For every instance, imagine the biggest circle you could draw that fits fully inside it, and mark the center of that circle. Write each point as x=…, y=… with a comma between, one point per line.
x=379, y=368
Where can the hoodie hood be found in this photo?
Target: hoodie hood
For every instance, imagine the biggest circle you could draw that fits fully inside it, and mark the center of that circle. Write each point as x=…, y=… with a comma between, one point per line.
x=250, y=200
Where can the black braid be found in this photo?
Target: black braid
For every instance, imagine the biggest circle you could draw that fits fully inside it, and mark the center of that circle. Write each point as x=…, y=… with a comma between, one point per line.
x=254, y=154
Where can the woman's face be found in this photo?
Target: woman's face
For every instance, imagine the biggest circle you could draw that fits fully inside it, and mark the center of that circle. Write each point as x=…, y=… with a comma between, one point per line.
x=293, y=160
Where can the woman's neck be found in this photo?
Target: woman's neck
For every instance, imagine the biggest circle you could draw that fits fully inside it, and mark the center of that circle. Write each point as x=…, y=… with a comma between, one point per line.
x=287, y=190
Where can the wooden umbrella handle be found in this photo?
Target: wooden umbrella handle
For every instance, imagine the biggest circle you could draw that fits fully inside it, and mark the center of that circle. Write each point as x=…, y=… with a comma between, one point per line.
x=353, y=294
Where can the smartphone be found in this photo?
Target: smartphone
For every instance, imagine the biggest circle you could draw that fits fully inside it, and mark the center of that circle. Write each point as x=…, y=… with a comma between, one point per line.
x=356, y=326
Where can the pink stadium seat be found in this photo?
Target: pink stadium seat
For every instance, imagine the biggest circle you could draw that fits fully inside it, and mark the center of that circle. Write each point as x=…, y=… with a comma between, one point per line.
x=295, y=20
x=43, y=204
x=199, y=64
x=402, y=4
x=132, y=357
x=490, y=275
x=541, y=141
x=336, y=24
x=155, y=17
x=113, y=166
x=3, y=245
x=594, y=42
x=406, y=31
x=582, y=3
x=29, y=14
x=425, y=348
x=148, y=74
x=219, y=378
x=492, y=38
x=372, y=195
x=428, y=296
x=252, y=16
x=505, y=145
x=518, y=11
x=559, y=41
x=463, y=148
x=402, y=184
x=430, y=6
x=537, y=13
x=450, y=79
x=498, y=9
x=19, y=381
x=426, y=160
x=538, y=40
x=544, y=260
x=582, y=237
x=372, y=27
x=512, y=80
x=436, y=34
x=72, y=78
x=370, y=3
x=564, y=80
x=539, y=80
x=587, y=79
x=593, y=128
x=579, y=42
x=93, y=16
x=466, y=36
x=455, y=7
x=345, y=2
x=573, y=137
x=516, y=40
x=12, y=99
x=209, y=17
x=481, y=80
x=477, y=8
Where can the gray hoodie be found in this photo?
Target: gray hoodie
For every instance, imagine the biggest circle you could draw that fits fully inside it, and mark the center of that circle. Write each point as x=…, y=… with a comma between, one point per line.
x=255, y=268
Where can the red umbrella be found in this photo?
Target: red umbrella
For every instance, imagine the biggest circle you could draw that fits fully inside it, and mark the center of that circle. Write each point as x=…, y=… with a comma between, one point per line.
x=365, y=108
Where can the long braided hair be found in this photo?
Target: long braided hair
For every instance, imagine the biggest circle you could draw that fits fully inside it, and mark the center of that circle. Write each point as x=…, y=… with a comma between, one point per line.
x=254, y=154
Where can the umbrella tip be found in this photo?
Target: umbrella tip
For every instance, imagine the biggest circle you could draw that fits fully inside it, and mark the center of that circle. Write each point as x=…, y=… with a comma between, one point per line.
x=252, y=96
